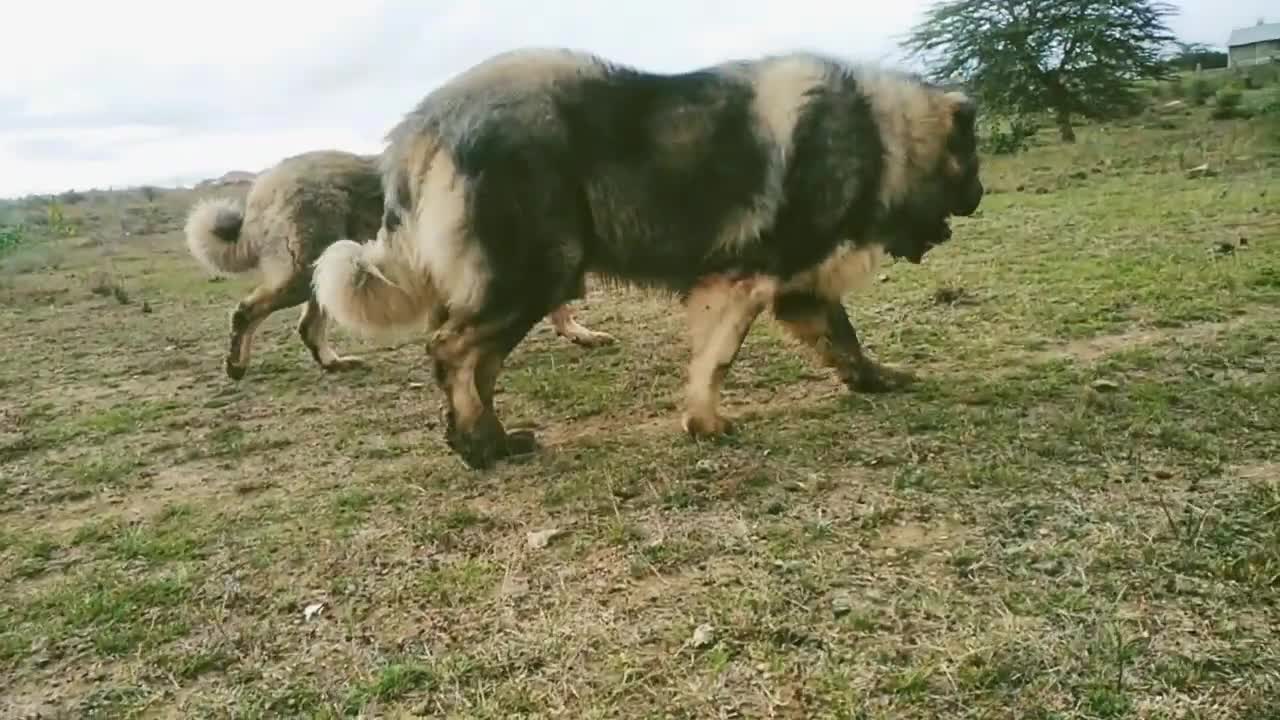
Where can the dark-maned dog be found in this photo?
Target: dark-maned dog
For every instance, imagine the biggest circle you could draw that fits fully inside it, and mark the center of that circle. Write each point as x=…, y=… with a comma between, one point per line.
x=770, y=183
x=292, y=213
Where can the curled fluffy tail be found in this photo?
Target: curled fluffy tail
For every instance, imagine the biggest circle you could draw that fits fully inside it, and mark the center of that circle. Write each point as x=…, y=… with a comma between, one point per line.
x=213, y=237
x=368, y=292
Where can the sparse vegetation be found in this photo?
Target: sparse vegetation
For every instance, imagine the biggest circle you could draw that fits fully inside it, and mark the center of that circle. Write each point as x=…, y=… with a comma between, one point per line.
x=1199, y=89
x=1008, y=136
x=57, y=222
x=106, y=284
x=1074, y=515
x=70, y=197
x=1227, y=103
x=11, y=236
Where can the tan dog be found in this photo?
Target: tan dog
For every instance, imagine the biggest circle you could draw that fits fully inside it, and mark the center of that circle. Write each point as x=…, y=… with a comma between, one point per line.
x=293, y=212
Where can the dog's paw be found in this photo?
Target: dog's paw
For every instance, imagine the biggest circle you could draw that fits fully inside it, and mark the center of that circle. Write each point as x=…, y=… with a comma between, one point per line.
x=874, y=378
x=483, y=446
x=521, y=442
x=475, y=453
x=235, y=372
x=592, y=339
x=706, y=426
x=343, y=364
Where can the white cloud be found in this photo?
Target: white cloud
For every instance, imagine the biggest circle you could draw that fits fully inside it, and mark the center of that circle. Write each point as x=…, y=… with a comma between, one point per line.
x=140, y=156
x=143, y=91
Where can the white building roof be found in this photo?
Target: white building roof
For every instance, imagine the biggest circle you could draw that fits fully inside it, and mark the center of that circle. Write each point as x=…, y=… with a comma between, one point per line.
x=1254, y=34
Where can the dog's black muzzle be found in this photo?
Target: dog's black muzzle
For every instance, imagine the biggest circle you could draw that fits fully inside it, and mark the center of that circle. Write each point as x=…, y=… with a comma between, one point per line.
x=970, y=200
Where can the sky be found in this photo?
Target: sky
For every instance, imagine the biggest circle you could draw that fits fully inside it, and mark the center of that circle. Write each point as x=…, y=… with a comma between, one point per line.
x=113, y=94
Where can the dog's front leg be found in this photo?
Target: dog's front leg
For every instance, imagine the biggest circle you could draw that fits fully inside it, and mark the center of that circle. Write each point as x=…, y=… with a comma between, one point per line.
x=824, y=326
x=720, y=312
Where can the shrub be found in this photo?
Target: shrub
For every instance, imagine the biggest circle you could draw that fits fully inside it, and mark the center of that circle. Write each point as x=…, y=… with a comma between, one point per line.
x=1010, y=137
x=1256, y=77
x=1199, y=89
x=57, y=222
x=1227, y=104
x=105, y=284
x=11, y=236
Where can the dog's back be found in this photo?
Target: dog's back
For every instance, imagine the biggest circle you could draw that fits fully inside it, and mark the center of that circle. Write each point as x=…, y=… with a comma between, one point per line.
x=307, y=202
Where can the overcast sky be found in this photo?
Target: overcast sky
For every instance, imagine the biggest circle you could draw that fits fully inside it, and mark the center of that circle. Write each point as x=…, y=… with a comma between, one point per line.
x=126, y=92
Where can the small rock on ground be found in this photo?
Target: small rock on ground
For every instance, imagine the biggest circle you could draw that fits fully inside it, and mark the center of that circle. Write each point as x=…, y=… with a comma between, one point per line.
x=1104, y=385
x=539, y=539
x=703, y=636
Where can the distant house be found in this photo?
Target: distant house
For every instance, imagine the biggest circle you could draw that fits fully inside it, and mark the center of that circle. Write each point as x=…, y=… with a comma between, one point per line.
x=1254, y=45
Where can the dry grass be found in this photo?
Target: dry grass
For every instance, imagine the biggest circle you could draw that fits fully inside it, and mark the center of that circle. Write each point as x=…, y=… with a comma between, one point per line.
x=1074, y=516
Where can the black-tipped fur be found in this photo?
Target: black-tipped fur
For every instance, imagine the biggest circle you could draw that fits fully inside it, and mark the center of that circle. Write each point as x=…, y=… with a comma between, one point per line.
x=734, y=184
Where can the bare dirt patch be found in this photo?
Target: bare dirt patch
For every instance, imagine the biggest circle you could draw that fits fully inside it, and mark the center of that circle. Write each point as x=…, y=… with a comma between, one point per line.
x=1092, y=349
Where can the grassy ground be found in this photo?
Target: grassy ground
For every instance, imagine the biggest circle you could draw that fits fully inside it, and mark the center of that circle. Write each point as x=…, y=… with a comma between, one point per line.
x=1075, y=515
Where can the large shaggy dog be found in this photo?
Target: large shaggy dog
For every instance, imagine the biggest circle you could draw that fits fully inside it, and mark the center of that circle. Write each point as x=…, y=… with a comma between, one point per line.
x=771, y=183
x=292, y=213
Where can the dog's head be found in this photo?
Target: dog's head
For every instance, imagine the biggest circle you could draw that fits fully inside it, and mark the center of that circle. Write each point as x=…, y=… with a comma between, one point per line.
x=962, y=185
x=946, y=181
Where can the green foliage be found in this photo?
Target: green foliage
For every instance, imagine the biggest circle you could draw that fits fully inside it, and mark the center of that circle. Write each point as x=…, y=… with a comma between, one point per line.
x=1270, y=107
x=1196, y=56
x=1198, y=89
x=1227, y=104
x=11, y=236
x=1008, y=137
x=57, y=221
x=1256, y=77
x=1075, y=57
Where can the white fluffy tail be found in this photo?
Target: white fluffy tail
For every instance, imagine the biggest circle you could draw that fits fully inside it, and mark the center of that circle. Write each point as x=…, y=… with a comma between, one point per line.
x=353, y=283
x=213, y=237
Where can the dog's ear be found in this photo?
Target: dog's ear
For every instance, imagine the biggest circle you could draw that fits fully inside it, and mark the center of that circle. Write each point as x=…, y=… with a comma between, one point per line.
x=964, y=111
x=962, y=137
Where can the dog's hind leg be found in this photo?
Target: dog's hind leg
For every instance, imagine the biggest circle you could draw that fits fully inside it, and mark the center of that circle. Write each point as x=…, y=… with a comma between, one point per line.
x=249, y=314
x=824, y=326
x=313, y=329
x=720, y=313
x=468, y=357
x=568, y=327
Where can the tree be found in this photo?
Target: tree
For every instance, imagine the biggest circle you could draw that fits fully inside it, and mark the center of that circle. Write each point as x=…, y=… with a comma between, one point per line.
x=1071, y=57
x=1196, y=56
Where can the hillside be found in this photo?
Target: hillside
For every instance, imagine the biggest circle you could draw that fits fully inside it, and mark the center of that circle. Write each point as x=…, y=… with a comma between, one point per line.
x=1074, y=515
